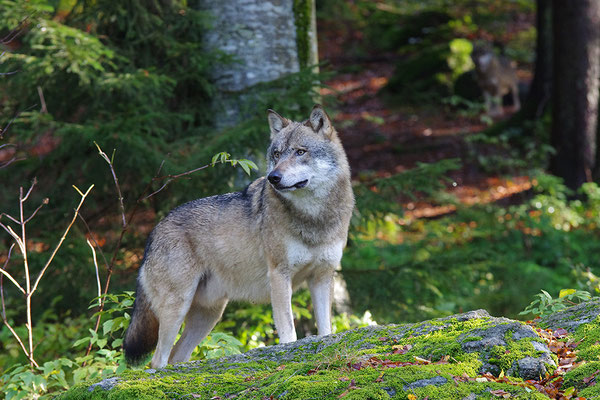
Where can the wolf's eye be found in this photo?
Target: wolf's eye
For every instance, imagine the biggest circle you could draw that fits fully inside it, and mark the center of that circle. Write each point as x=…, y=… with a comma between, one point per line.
x=276, y=155
x=299, y=152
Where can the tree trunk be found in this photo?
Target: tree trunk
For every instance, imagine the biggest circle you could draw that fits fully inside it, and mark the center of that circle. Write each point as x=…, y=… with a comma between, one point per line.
x=541, y=86
x=576, y=32
x=266, y=39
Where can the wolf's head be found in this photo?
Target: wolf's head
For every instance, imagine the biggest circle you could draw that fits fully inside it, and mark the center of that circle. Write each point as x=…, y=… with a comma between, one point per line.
x=482, y=55
x=304, y=157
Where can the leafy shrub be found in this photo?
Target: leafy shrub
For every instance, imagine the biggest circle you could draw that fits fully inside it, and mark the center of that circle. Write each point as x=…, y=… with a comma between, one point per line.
x=545, y=304
x=485, y=256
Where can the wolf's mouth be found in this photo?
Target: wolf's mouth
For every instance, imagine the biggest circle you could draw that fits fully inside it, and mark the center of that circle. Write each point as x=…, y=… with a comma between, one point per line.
x=298, y=185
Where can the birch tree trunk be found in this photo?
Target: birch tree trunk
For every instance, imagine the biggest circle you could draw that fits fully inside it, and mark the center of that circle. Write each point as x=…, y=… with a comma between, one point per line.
x=265, y=39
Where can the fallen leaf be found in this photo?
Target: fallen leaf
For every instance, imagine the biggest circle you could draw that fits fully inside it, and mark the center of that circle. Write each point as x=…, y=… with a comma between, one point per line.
x=560, y=333
x=500, y=393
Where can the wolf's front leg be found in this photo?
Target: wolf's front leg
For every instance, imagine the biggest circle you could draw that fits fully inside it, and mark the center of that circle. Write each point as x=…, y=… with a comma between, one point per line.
x=281, y=300
x=321, y=288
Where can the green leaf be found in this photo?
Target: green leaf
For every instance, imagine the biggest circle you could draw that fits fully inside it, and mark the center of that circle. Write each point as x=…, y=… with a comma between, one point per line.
x=81, y=341
x=107, y=326
x=566, y=292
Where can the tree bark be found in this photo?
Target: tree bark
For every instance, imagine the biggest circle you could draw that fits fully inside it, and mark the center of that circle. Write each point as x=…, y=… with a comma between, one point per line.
x=576, y=64
x=541, y=85
x=266, y=39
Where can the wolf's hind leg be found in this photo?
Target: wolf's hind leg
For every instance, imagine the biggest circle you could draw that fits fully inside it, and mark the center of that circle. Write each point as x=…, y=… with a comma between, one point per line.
x=199, y=321
x=169, y=321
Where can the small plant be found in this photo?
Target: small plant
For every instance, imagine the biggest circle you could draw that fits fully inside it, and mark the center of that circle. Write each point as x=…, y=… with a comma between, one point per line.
x=217, y=345
x=545, y=304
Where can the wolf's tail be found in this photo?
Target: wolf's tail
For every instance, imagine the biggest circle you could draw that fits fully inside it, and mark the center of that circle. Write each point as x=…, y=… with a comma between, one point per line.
x=142, y=335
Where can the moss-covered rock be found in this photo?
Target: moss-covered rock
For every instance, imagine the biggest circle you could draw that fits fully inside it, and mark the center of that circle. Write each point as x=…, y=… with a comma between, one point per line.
x=440, y=358
x=571, y=318
x=582, y=322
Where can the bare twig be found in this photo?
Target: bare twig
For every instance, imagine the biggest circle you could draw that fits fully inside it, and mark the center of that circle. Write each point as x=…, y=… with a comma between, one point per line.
x=4, y=319
x=3, y=130
x=10, y=277
x=62, y=239
x=93, y=237
x=44, y=202
x=1, y=279
x=171, y=178
x=44, y=109
x=21, y=241
x=97, y=273
x=9, y=217
x=116, y=180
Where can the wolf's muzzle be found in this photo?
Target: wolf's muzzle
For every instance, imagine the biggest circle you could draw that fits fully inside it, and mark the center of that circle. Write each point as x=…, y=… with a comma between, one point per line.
x=275, y=180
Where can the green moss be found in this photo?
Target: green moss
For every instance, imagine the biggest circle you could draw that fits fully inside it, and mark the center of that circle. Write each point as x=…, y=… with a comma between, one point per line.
x=589, y=335
x=472, y=338
x=505, y=357
x=302, y=19
x=375, y=363
x=576, y=376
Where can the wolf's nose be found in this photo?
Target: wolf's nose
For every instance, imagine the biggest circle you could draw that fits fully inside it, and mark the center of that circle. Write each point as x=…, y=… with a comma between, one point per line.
x=274, y=177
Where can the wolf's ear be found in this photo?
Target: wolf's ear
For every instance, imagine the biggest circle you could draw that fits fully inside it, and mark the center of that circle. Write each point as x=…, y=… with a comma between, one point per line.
x=319, y=121
x=276, y=122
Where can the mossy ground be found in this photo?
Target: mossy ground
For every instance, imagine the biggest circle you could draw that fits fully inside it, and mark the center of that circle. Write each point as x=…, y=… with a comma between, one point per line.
x=387, y=362
x=585, y=376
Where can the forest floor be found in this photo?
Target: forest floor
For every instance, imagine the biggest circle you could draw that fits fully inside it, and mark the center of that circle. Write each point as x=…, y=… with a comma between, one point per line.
x=384, y=139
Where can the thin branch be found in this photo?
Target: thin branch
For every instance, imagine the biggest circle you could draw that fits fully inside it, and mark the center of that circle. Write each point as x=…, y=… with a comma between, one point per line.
x=12, y=160
x=44, y=202
x=44, y=109
x=33, y=183
x=93, y=237
x=9, y=217
x=97, y=272
x=4, y=319
x=9, y=276
x=43, y=271
x=116, y=180
x=3, y=130
x=10, y=328
x=2, y=280
x=14, y=235
x=171, y=178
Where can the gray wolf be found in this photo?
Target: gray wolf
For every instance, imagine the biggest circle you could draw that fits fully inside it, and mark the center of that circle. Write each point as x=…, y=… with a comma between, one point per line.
x=496, y=77
x=257, y=245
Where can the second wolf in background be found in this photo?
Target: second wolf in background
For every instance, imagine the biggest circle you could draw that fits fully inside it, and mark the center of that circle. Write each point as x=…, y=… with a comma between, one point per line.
x=256, y=245
x=496, y=77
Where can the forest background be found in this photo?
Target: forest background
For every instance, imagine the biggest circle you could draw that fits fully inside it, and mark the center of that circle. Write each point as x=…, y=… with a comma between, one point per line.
x=455, y=210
